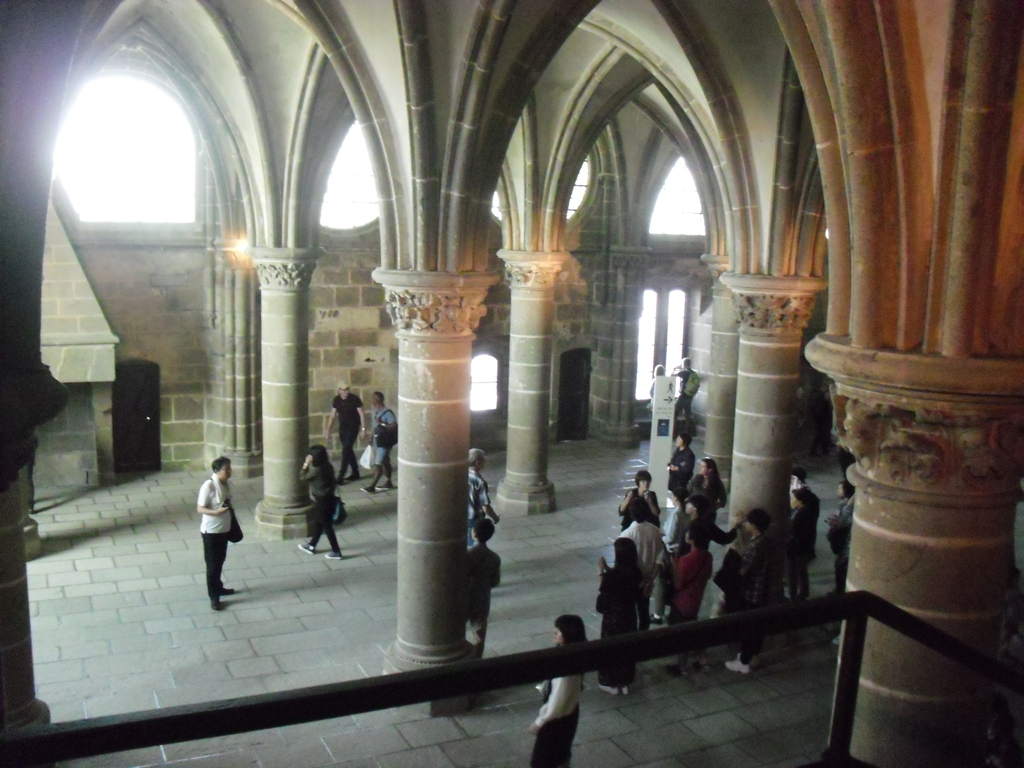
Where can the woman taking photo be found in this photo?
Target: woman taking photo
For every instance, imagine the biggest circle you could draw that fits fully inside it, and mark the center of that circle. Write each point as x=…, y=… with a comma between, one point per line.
x=616, y=602
x=707, y=483
x=556, y=723
x=318, y=472
x=640, y=496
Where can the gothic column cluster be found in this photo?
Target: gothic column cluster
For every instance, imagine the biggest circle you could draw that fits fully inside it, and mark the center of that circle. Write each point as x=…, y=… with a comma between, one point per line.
x=721, y=385
x=616, y=306
x=532, y=276
x=939, y=461
x=284, y=275
x=434, y=315
x=772, y=313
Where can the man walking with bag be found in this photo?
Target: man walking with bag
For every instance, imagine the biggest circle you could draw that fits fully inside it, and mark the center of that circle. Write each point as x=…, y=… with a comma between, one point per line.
x=385, y=436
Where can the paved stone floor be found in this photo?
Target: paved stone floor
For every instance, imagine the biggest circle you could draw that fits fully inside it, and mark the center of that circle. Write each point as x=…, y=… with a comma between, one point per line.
x=121, y=623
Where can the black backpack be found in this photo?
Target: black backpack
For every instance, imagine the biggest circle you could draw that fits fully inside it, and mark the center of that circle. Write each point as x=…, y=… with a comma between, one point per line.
x=386, y=435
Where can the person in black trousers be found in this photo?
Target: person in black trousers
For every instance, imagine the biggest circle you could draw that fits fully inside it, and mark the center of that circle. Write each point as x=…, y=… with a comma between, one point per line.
x=318, y=472
x=347, y=408
x=214, y=505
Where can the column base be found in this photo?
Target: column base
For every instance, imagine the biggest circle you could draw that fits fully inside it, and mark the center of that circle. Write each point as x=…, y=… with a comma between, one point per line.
x=396, y=661
x=246, y=464
x=36, y=712
x=33, y=544
x=282, y=524
x=528, y=500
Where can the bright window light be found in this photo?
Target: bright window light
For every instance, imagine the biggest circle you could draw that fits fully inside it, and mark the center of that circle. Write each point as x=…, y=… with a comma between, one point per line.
x=126, y=153
x=351, y=197
x=676, y=324
x=677, y=210
x=579, y=190
x=645, y=346
x=496, y=206
x=483, y=388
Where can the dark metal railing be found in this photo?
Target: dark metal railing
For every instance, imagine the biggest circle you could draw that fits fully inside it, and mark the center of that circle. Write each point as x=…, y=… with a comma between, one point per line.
x=40, y=745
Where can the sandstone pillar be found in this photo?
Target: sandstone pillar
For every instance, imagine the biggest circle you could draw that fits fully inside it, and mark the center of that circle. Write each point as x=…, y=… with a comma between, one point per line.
x=434, y=315
x=284, y=275
x=616, y=307
x=18, y=703
x=525, y=487
x=939, y=461
x=772, y=313
x=721, y=384
x=29, y=526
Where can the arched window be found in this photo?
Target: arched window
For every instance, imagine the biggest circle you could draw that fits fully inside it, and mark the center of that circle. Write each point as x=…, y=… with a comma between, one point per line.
x=351, y=197
x=496, y=206
x=127, y=153
x=661, y=335
x=645, y=345
x=579, y=190
x=483, y=388
x=677, y=210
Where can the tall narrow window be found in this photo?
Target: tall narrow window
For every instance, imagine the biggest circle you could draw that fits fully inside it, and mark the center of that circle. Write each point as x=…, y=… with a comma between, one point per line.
x=579, y=190
x=496, y=206
x=676, y=328
x=483, y=388
x=677, y=211
x=126, y=152
x=645, y=345
x=351, y=197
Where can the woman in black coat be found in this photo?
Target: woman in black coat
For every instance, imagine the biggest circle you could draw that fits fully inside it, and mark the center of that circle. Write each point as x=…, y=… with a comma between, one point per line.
x=803, y=532
x=616, y=602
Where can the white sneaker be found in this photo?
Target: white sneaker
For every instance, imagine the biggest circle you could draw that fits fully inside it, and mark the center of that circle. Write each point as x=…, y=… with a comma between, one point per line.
x=609, y=689
x=738, y=666
x=624, y=690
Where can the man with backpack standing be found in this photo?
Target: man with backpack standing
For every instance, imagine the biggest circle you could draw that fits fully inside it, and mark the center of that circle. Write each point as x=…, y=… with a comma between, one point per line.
x=689, y=385
x=385, y=436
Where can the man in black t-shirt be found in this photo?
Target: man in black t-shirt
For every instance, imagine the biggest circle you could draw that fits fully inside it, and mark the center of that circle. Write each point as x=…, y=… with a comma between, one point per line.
x=347, y=408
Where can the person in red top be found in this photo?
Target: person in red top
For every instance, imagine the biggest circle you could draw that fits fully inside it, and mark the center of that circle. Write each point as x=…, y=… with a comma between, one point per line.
x=692, y=573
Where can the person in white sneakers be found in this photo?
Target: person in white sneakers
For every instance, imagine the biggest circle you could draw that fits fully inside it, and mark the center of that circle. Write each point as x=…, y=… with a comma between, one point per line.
x=214, y=504
x=754, y=573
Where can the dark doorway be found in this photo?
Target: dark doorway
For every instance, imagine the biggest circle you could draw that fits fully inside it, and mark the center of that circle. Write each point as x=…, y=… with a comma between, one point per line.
x=574, y=395
x=136, y=417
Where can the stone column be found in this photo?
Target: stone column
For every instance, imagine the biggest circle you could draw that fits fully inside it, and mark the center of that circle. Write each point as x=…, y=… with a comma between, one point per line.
x=721, y=385
x=18, y=703
x=525, y=487
x=284, y=275
x=772, y=313
x=434, y=315
x=29, y=526
x=940, y=451
x=616, y=309
x=239, y=297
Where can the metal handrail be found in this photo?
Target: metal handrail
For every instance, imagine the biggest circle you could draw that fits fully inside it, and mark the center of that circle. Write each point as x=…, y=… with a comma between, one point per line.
x=43, y=744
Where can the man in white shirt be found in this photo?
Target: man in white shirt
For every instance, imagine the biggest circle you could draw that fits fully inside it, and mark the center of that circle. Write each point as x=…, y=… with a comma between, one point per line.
x=214, y=505
x=650, y=549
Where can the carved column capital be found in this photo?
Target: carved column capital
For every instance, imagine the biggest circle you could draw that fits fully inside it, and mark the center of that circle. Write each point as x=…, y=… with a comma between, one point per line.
x=717, y=264
x=933, y=444
x=530, y=269
x=435, y=304
x=769, y=304
x=284, y=269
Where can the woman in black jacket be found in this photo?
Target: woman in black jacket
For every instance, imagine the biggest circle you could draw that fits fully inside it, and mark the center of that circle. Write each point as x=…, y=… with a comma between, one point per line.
x=803, y=531
x=616, y=602
x=318, y=472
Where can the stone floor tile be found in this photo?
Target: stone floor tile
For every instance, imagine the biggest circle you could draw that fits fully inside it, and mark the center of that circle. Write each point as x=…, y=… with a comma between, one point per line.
x=253, y=667
x=228, y=650
x=129, y=759
x=83, y=650
x=219, y=691
x=708, y=701
x=422, y=733
x=648, y=745
x=119, y=703
x=224, y=744
x=600, y=754
x=598, y=726
x=368, y=742
x=720, y=728
x=59, y=671
x=287, y=681
x=235, y=759
x=424, y=757
x=308, y=753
